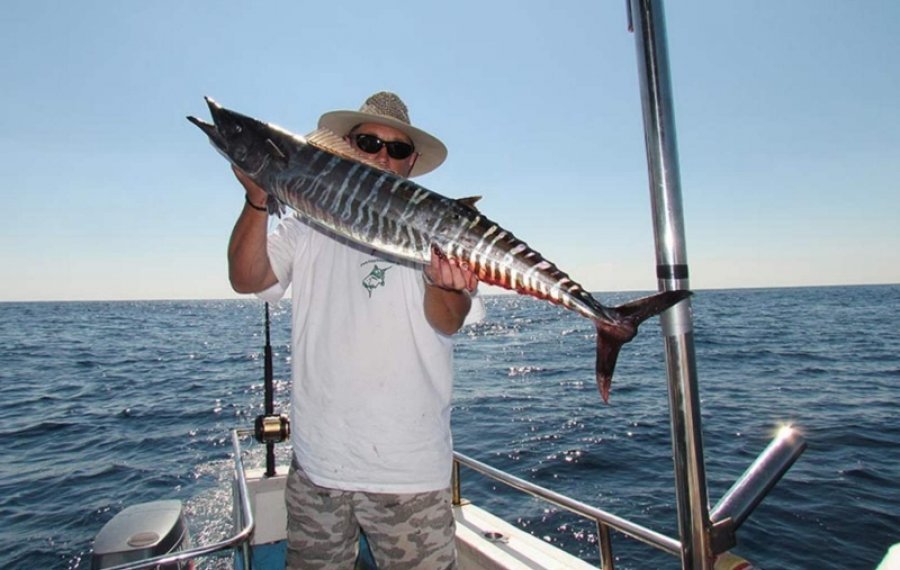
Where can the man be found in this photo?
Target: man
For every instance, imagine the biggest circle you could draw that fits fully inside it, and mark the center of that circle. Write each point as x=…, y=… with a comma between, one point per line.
x=371, y=366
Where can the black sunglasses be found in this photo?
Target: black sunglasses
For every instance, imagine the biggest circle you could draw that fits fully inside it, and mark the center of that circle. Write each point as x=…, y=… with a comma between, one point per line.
x=398, y=150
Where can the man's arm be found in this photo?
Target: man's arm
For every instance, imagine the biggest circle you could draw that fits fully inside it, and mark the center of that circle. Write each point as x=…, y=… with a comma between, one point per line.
x=447, y=293
x=248, y=261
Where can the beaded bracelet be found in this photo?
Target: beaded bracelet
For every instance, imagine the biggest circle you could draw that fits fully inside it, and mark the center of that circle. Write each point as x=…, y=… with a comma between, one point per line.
x=254, y=206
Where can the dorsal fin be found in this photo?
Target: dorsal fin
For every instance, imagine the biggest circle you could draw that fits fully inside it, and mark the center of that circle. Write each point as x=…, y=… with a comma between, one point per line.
x=469, y=201
x=327, y=140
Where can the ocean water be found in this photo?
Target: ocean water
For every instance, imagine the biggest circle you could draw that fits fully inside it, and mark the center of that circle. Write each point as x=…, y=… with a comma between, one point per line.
x=104, y=405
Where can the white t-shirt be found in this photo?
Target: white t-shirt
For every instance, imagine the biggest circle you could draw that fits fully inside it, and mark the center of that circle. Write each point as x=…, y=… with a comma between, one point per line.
x=372, y=380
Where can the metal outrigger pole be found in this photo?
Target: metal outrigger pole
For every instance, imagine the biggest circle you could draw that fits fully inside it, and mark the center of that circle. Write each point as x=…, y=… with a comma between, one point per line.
x=702, y=536
x=648, y=25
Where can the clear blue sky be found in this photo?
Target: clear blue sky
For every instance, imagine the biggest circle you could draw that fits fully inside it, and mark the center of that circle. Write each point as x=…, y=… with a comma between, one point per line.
x=786, y=112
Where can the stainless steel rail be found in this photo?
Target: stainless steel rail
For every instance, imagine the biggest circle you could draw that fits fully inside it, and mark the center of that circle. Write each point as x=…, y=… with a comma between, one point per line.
x=604, y=519
x=238, y=539
x=703, y=536
x=746, y=493
x=648, y=24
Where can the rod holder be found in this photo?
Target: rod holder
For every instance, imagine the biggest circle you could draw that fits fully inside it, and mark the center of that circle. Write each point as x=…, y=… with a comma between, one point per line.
x=756, y=482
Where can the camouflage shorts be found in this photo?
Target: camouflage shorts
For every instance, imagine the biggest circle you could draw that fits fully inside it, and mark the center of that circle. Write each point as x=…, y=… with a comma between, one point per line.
x=414, y=531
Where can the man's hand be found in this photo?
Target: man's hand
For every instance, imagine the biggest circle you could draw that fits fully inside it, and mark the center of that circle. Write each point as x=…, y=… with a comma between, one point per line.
x=447, y=294
x=449, y=274
x=255, y=194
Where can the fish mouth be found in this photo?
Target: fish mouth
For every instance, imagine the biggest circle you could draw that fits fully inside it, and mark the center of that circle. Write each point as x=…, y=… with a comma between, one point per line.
x=211, y=129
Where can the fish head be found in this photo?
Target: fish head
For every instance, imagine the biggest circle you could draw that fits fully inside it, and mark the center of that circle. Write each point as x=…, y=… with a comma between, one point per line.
x=249, y=144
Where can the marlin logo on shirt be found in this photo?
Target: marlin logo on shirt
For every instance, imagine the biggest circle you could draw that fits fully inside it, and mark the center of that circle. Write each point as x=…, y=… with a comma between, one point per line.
x=375, y=278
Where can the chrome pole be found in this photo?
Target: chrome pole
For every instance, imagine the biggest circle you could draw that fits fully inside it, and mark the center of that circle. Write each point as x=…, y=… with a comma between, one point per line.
x=648, y=24
x=756, y=482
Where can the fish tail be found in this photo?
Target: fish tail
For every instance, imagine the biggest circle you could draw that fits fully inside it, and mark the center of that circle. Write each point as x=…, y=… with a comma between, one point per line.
x=622, y=326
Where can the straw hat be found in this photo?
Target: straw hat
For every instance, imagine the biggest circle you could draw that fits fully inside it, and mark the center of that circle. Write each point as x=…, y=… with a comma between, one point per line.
x=386, y=108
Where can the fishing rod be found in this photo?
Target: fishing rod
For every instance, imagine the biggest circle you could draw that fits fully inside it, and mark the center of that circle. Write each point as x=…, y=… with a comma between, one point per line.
x=270, y=428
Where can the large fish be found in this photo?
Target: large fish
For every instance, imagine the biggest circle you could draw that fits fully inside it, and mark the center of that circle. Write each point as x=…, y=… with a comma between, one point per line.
x=327, y=183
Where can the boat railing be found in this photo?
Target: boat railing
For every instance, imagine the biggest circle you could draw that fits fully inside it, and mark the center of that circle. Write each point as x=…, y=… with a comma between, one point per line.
x=727, y=515
x=605, y=520
x=244, y=522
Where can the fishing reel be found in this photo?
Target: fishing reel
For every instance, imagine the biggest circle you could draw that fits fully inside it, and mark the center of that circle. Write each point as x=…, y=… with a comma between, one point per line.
x=272, y=428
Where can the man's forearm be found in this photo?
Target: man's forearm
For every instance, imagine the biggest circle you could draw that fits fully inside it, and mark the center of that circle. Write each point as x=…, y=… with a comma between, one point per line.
x=248, y=262
x=446, y=310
